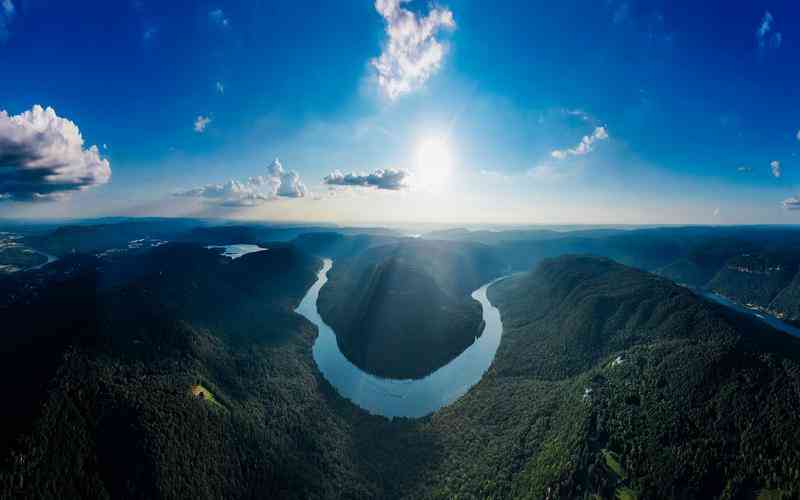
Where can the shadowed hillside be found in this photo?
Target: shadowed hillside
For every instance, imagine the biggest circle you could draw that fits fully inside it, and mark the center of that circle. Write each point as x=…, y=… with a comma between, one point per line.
x=403, y=310
x=101, y=366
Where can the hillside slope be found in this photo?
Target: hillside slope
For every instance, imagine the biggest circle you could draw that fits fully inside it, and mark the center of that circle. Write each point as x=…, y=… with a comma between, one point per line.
x=611, y=381
x=403, y=310
x=104, y=376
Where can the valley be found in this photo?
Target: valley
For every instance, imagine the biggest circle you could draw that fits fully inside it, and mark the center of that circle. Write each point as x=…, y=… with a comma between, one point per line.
x=589, y=379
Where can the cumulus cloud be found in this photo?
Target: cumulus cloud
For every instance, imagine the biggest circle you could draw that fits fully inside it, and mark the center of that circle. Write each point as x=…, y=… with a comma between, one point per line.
x=763, y=36
x=584, y=147
x=390, y=178
x=42, y=157
x=792, y=203
x=775, y=167
x=411, y=53
x=253, y=191
x=217, y=16
x=200, y=123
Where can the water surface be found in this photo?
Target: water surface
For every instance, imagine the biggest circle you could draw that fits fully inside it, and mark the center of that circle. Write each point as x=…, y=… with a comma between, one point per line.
x=766, y=318
x=238, y=250
x=402, y=398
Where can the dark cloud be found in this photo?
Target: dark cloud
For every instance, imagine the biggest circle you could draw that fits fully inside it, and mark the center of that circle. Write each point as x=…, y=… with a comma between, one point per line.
x=390, y=178
x=42, y=157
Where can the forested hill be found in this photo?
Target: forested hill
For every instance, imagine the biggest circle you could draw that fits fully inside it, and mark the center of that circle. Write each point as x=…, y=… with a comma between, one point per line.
x=192, y=377
x=611, y=381
x=403, y=310
x=189, y=378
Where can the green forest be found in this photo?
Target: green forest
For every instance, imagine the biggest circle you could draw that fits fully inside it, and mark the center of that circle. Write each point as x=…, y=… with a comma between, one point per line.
x=174, y=372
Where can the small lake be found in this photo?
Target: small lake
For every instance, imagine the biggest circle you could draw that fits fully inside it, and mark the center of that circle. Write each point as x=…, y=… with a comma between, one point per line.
x=402, y=398
x=238, y=250
x=766, y=318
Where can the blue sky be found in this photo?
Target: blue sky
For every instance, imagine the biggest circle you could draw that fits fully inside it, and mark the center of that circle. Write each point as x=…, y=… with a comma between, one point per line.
x=460, y=111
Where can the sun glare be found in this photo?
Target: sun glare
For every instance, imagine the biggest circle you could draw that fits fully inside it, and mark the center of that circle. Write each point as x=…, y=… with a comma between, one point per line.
x=434, y=163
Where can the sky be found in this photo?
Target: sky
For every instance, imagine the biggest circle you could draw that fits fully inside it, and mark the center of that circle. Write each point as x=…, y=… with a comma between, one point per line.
x=360, y=112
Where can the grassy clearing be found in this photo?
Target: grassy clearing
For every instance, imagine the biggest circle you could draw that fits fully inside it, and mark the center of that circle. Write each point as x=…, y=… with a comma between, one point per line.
x=199, y=390
x=625, y=493
x=615, y=468
x=612, y=462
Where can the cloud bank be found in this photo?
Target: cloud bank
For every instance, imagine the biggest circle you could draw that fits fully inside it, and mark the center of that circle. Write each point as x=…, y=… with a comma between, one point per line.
x=390, y=178
x=42, y=157
x=584, y=147
x=254, y=191
x=411, y=54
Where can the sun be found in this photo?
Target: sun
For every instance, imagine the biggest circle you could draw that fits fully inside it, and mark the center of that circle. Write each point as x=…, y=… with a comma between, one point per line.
x=434, y=162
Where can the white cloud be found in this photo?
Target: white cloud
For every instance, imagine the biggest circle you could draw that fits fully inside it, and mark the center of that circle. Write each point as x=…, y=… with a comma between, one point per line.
x=253, y=191
x=763, y=33
x=798, y=135
x=765, y=26
x=744, y=168
x=220, y=88
x=792, y=203
x=7, y=14
x=583, y=115
x=411, y=53
x=217, y=16
x=42, y=157
x=775, y=167
x=200, y=123
x=584, y=147
x=390, y=178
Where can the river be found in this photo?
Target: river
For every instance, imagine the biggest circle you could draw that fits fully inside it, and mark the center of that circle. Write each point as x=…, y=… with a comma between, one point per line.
x=766, y=318
x=402, y=398
x=50, y=259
